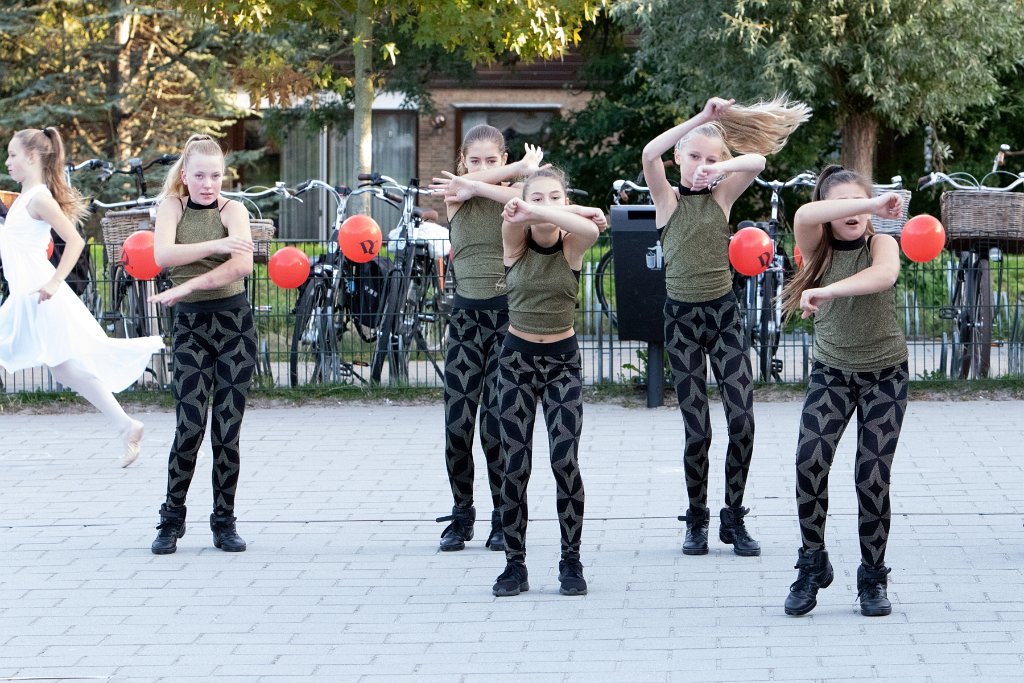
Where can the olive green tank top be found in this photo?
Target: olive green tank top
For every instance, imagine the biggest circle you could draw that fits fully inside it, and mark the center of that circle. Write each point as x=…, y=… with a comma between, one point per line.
x=857, y=333
x=542, y=290
x=696, y=245
x=476, y=248
x=202, y=224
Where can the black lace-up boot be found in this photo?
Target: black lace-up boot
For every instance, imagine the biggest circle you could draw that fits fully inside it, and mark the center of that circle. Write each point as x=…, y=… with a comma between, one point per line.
x=496, y=541
x=570, y=577
x=815, y=572
x=460, y=530
x=696, y=541
x=513, y=581
x=871, y=591
x=225, y=536
x=734, y=532
x=169, y=530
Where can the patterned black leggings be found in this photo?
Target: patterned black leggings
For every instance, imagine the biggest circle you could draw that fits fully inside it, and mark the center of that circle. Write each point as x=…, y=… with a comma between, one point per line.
x=880, y=399
x=556, y=380
x=214, y=353
x=471, y=382
x=694, y=332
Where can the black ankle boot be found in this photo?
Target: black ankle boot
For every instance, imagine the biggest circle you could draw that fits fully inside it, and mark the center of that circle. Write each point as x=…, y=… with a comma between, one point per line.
x=169, y=530
x=735, y=532
x=496, y=541
x=460, y=530
x=815, y=572
x=225, y=536
x=871, y=587
x=697, y=521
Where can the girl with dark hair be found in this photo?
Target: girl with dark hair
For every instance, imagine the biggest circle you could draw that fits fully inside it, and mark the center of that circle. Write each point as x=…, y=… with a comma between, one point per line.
x=544, y=243
x=860, y=365
x=204, y=239
x=479, y=318
x=701, y=313
x=42, y=322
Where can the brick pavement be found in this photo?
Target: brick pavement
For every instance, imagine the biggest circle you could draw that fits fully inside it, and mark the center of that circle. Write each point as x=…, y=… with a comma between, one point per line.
x=342, y=580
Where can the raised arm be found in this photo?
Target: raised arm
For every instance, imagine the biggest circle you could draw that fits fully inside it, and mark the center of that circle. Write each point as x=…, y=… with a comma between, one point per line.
x=662, y=192
x=519, y=214
x=460, y=189
x=809, y=219
x=739, y=173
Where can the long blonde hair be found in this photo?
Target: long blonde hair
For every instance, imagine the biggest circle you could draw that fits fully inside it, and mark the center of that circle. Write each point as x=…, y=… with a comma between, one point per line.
x=761, y=128
x=196, y=144
x=817, y=264
x=49, y=146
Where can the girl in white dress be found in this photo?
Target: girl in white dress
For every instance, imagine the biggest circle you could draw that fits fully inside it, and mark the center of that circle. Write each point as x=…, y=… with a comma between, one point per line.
x=42, y=322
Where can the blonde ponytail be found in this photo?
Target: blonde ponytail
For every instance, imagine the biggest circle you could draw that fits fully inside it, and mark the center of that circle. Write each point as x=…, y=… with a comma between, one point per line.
x=762, y=128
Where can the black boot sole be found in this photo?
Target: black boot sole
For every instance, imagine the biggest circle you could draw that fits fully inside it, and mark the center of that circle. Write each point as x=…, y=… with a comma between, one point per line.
x=452, y=548
x=220, y=546
x=695, y=551
x=172, y=549
x=876, y=612
x=508, y=593
x=799, y=613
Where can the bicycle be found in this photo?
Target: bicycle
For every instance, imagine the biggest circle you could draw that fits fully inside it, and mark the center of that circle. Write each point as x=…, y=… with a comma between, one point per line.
x=982, y=223
x=415, y=297
x=338, y=292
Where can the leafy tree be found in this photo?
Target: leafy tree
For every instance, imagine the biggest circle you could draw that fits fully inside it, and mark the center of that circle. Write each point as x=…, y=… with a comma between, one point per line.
x=352, y=48
x=119, y=78
x=895, y=63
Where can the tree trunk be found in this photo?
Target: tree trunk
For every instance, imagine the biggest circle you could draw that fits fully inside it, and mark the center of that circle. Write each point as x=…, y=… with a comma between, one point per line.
x=363, y=124
x=860, y=135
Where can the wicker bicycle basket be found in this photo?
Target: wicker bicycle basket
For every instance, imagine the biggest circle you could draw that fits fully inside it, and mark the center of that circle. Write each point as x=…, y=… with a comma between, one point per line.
x=978, y=218
x=891, y=226
x=262, y=232
x=118, y=225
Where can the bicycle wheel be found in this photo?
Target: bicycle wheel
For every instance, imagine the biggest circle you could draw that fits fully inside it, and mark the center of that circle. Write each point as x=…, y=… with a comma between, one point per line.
x=314, y=347
x=981, y=316
x=768, y=329
x=394, y=294
x=604, y=284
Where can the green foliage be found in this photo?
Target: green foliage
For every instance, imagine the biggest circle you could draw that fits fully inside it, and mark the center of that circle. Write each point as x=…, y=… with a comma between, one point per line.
x=901, y=63
x=119, y=79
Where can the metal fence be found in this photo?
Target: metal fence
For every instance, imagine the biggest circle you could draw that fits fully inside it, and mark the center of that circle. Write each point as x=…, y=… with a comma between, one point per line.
x=984, y=325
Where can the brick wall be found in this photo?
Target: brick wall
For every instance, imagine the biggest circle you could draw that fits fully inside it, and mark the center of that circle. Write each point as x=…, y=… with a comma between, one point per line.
x=438, y=147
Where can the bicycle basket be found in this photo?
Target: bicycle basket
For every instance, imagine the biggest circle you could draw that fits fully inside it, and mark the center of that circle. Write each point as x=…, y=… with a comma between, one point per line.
x=892, y=226
x=980, y=216
x=116, y=226
x=262, y=232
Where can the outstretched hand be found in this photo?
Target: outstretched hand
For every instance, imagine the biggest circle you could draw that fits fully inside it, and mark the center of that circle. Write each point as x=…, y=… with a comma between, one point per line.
x=812, y=299
x=532, y=158
x=456, y=188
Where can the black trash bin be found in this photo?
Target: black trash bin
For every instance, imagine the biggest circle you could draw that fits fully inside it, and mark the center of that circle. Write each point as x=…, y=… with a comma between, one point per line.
x=640, y=291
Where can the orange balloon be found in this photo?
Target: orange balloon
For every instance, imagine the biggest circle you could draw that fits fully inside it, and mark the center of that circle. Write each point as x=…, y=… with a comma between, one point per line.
x=359, y=238
x=49, y=249
x=751, y=251
x=137, y=256
x=288, y=267
x=923, y=238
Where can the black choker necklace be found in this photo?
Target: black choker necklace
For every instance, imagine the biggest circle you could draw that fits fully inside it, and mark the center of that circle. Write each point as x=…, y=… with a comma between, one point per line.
x=847, y=245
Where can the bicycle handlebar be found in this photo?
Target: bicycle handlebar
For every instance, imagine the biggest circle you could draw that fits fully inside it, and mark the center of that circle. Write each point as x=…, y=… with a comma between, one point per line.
x=620, y=185
x=806, y=179
x=380, y=180
x=965, y=182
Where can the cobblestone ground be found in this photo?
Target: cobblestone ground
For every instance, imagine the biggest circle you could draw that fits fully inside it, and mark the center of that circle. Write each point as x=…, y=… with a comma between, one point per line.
x=342, y=580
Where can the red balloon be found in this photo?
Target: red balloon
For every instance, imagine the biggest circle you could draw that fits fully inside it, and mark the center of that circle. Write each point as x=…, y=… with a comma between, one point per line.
x=923, y=238
x=798, y=257
x=49, y=249
x=751, y=251
x=137, y=256
x=359, y=238
x=289, y=267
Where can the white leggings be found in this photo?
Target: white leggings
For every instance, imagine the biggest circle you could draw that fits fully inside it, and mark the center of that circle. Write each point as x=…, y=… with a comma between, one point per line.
x=71, y=374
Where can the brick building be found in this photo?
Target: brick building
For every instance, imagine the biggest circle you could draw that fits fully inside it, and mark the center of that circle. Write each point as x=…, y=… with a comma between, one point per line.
x=518, y=100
